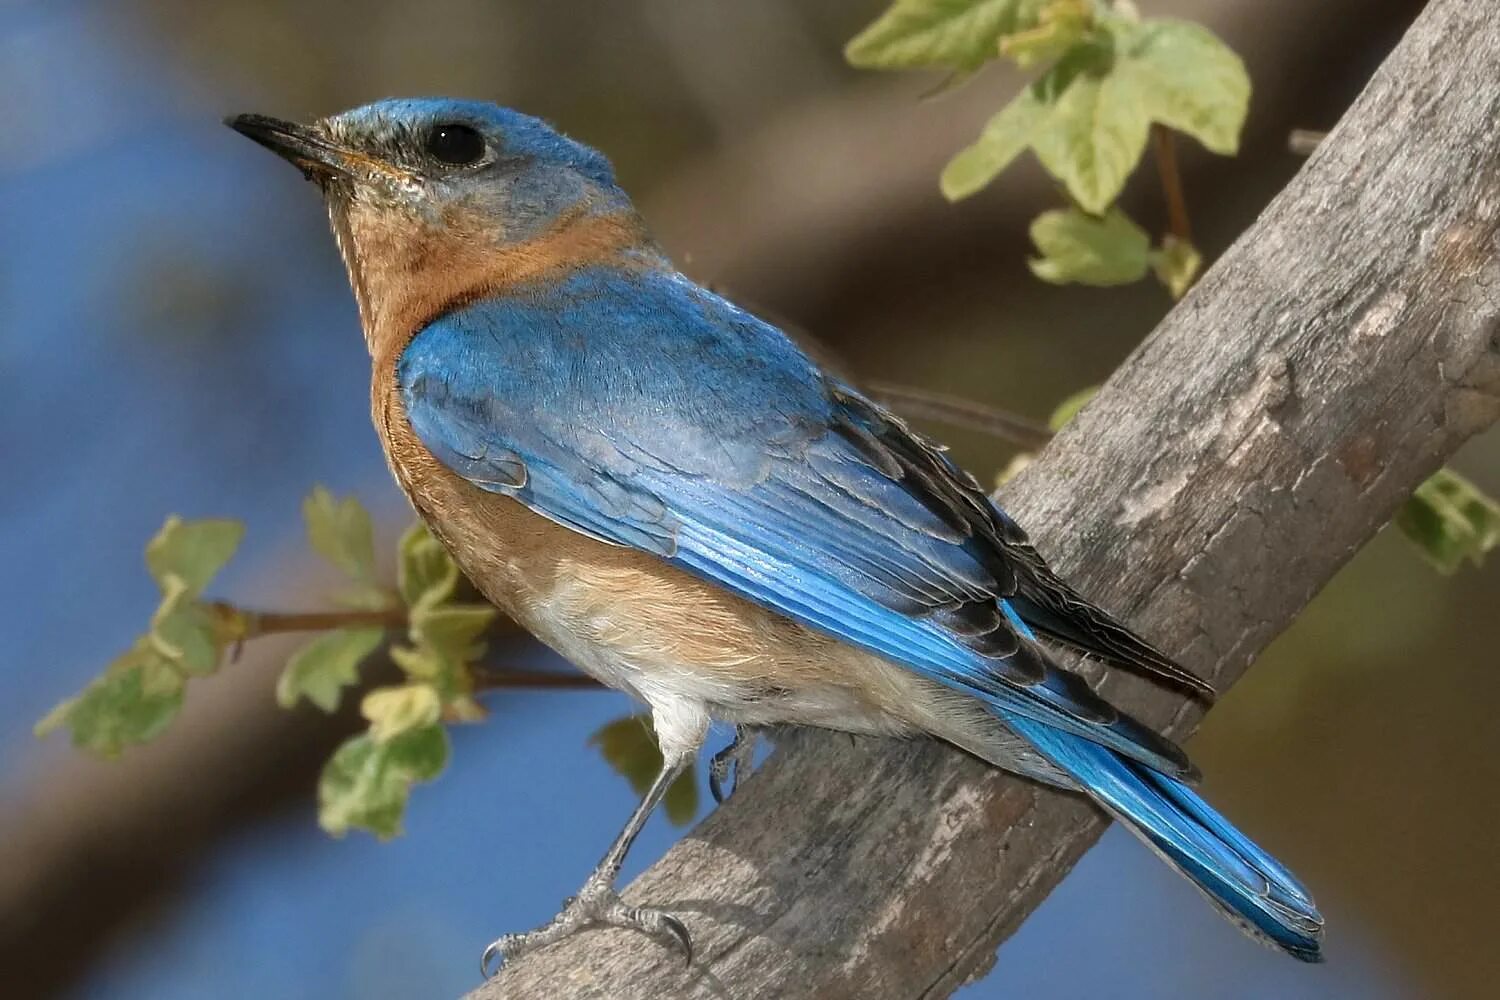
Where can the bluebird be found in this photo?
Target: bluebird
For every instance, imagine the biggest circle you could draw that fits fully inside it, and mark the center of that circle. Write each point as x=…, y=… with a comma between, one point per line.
x=667, y=491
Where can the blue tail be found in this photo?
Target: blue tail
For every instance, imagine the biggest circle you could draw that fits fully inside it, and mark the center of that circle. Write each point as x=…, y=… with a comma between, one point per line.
x=1250, y=886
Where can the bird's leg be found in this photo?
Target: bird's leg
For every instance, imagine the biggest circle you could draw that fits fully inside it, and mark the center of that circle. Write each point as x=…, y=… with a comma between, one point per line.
x=598, y=902
x=732, y=762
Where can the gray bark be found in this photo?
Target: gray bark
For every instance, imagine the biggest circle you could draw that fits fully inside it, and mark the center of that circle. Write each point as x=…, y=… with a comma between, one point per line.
x=1346, y=344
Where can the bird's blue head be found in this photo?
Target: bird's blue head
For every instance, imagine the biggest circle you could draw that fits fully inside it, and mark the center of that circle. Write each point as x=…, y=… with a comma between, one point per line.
x=435, y=193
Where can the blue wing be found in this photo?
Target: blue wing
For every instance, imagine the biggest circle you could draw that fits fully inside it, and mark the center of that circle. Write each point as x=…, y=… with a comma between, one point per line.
x=644, y=411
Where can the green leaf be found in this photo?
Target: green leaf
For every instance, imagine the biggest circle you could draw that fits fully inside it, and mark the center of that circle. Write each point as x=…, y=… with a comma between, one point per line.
x=365, y=597
x=1184, y=77
x=1076, y=247
x=340, y=531
x=365, y=784
x=395, y=711
x=1095, y=130
x=322, y=669
x=186, y=631
x=1061, y=24
x=425, y=573
x=1086, y=131
x=1068, y=408
x=1450, y=520
x=191, y=552
x=629, y=746
x=953, y=34
x=1004, y=138
x=1089, y=116
x=132, y=702
x=421, y=663
x=1176, y=265
x=454, y=630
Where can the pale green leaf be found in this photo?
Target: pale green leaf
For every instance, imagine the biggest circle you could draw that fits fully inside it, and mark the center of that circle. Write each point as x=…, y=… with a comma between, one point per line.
x=1451, y=521
x=629, y=746
x=192, y=552
x=1061, y=24
x=1176, y=265
x=1089, y=116
x=1094, y=132
x=1005, y=137
x=446, y=639
x=464, y=709
x=954, y=34
x=132, y=702
x=1068, y=408
x=340, y=531
x=394, y=711
x=422, y=663
x=322, y=669
x=186, y=631
x=1086, y=131
x=365, y=597
x=425, y=573
x=1183, y=76
x=1076, y=247
x=365, y=784
x=454, y=630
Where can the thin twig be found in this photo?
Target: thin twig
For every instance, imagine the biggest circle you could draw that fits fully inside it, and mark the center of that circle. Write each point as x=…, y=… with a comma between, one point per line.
x=1303, y=141
x=258, y=623
x=490, y=679
x=253, y=624
x=1165, y=148
x=957, y=412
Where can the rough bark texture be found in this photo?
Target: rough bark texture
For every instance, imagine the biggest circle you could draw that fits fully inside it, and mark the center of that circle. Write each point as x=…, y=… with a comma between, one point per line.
x=1330, y=361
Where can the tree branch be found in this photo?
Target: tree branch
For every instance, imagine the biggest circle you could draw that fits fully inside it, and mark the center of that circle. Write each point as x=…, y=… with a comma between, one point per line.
x=248, y=624
x=1334, y=357
x=254, y=624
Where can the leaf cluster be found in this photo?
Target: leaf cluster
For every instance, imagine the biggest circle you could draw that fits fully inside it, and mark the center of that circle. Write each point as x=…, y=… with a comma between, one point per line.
x=1104, y=77
x=367, y=782
x=141, y=691
x=436, y=646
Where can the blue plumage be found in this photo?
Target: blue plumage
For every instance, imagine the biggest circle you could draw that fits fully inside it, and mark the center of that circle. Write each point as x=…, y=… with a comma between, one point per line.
x=528, y=335
x=651, y=413
x=1250, y=886
x=690, y=429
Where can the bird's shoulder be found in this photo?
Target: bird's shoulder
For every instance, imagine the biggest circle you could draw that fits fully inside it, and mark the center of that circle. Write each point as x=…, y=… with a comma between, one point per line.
x=643, y=357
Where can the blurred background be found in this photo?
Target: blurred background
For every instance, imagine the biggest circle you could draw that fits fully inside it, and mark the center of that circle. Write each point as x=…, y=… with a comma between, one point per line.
x=176, y=334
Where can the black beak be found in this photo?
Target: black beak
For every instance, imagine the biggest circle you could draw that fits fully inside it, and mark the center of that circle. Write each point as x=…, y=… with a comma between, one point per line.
x=303, y=146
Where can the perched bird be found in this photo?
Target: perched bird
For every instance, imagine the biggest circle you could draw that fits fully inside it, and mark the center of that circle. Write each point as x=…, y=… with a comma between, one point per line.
x=671, y=494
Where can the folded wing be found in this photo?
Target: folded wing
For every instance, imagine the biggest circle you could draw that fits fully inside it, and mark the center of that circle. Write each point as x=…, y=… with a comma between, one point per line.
x=643, y=411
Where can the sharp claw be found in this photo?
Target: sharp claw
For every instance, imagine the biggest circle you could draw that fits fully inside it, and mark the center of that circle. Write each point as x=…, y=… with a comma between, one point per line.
x=679, y=931
x=731, y=763
x=594, y=906
x=490, y=954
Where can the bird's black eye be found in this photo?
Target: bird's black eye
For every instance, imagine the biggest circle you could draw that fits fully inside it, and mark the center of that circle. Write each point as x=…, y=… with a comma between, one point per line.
x=454, y=144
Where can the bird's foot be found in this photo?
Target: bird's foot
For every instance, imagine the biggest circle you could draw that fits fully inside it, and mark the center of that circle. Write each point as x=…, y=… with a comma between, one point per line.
x=731, y=763
x=597, y=904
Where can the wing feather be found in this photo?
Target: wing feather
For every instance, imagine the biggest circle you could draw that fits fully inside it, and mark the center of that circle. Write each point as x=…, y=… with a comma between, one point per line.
x=686, y=428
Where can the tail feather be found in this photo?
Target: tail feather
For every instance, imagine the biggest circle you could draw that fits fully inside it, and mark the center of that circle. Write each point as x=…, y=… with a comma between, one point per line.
x=1251, y=887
